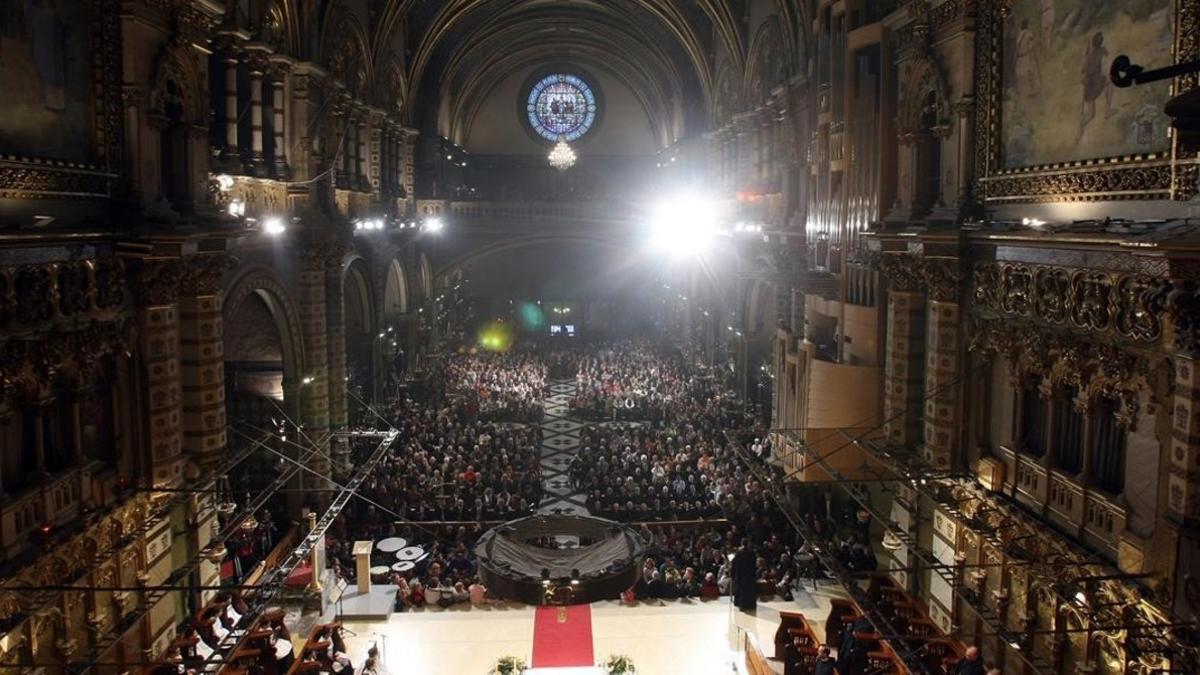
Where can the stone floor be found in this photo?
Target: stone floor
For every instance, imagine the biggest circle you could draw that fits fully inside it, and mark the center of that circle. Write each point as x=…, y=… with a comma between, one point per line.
x=662, y=637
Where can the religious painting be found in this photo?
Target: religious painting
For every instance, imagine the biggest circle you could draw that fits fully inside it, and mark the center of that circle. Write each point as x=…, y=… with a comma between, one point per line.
x=46, y=68
x=1057, y=101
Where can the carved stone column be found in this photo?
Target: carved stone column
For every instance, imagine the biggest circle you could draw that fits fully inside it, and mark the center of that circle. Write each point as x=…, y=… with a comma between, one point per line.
x=942, y=365
x=230, y=155
x=410, y=141
x=347, y=146
x=158, y=337
x=335, y=312
x=279, y=158
x=361, y=181
x=1183, y=481
x=39, y=405
x=202, y=359
x=905, y=349
x=397, y=159
x=314, y=383
x=375, y=167
x=385, y=160
x=256, y=70
x=6, y=413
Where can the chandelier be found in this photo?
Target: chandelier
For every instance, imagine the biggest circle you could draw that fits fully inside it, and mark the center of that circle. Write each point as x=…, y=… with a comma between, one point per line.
x=562, y=157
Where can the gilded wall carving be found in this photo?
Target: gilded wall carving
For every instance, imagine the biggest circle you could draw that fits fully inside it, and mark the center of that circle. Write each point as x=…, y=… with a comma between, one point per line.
x=1130, y=306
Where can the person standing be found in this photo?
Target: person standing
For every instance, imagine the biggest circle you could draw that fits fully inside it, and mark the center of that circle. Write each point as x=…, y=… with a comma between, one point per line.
x=745, y=578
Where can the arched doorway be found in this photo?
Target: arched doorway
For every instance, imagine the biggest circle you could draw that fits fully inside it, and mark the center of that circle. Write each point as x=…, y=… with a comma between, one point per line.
x=397, y=348
x=363, y=338
x=263, y=376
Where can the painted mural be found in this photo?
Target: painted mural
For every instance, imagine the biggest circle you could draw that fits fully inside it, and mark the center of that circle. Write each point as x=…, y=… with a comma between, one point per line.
x=46, y=71
x=1058, y=103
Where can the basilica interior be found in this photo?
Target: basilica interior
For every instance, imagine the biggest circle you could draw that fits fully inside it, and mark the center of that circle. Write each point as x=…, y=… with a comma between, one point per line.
x=600, y=336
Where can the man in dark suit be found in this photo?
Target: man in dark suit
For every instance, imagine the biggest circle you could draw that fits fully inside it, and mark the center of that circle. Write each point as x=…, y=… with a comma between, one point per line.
x=745, y=578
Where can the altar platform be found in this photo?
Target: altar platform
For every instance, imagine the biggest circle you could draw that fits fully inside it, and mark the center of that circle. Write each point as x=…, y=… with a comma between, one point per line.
x=377, y=605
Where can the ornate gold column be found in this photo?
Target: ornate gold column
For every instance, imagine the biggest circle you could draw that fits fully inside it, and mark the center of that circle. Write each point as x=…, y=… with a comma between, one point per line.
x=943, y=368
x=256, y=70
x=279, y=158
x=202, y=359
x=230, y=154
x=158, y=342
x=361, y=180
x=1183, y=480
x=905, y=348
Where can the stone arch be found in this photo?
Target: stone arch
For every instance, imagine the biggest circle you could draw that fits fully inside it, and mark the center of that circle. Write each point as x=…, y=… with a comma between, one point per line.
x=395, y=290
x=344, y=47
x=391, y=88
x=177, y=80
x=362, y=331
x=762, y=312
x=258, y=284
x=728, y=99
x=490, y=249
x=769, y=64
x=425, y=277
x=925, y=80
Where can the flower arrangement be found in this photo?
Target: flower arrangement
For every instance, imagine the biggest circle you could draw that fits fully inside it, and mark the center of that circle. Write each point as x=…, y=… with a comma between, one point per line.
x=619, y=664
x=508, y=665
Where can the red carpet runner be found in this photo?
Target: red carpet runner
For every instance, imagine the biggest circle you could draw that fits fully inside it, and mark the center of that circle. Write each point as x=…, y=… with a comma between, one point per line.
x=562, y=637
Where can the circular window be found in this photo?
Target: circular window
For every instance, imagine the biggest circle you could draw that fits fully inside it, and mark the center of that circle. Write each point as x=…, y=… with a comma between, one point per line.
x=561, y=107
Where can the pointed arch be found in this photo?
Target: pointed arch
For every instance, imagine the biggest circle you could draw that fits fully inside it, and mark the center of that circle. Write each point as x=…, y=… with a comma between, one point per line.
x=395, y=290
x=769, y=64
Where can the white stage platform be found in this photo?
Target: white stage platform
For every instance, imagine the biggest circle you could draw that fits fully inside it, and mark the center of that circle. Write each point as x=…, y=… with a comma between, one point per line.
x=374, y=606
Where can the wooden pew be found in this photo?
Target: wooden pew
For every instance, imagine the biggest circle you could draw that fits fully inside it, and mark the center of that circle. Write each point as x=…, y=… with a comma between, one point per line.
x=791, y=624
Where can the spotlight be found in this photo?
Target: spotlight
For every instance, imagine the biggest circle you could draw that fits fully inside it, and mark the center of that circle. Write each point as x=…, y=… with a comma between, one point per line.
x=274, y=226
x=308, y=379
x=236, y=208
x=224, y=182
x=683, y=225
x=433, y=225
x=1032, y=222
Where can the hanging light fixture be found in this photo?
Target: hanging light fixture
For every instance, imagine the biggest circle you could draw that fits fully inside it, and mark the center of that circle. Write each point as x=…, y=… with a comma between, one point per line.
x=891, y=542
x=562, y=157
x=225, y=503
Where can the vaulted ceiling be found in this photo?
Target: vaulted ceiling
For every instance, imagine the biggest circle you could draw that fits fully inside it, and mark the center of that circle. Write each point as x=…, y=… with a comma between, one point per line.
x=435, y=61
x=663, y=50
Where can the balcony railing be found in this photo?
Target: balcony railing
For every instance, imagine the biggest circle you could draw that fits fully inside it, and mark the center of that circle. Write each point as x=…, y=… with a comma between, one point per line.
x=606, y=211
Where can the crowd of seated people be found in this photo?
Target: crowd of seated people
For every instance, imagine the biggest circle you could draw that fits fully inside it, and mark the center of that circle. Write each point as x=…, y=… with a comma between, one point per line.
x=682, y=466
x=448, y=465
x=628, y=379
x=501, y=386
